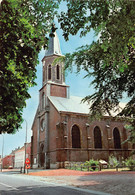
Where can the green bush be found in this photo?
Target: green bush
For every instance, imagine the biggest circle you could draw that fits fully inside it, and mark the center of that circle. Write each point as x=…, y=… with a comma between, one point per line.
x=93, y=164
x=130, y=163
x=113, y=162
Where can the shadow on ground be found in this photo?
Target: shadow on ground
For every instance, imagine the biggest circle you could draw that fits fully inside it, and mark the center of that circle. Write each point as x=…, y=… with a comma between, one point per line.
x=41, y=190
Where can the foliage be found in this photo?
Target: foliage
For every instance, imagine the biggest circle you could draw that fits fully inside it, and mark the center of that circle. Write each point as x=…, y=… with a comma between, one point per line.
x=90, y=162
x=113, y=162
x=23, y=29
x=93, y=164
x=60, y=59
x=130, y=162
x=110, y=59
x=131, y=129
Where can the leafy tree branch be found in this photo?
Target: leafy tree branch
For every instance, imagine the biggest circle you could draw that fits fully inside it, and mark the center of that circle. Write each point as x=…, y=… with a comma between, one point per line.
x=23, y=29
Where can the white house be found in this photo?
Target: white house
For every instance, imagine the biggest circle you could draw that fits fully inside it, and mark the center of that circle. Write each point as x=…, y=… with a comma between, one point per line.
x=19, y=157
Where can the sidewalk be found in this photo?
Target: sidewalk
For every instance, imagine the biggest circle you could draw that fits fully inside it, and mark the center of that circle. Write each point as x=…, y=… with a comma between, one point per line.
x=116, y=183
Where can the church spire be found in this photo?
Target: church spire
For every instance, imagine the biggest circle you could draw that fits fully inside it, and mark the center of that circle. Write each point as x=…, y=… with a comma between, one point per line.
x=53, y=73
x=53, y=45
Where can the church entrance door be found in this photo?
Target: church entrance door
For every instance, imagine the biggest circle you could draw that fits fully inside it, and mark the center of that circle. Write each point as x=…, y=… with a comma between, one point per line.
x=42, y=155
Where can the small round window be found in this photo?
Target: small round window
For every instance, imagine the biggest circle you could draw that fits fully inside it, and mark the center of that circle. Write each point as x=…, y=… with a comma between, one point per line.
x=42, y=125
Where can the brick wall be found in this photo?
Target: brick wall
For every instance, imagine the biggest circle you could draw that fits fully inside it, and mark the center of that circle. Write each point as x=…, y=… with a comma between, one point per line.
x=8, y=161
x=58, y=91
x=65, y=152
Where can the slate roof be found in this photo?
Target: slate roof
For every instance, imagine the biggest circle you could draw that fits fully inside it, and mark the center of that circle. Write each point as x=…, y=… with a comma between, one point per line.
x=74, y=105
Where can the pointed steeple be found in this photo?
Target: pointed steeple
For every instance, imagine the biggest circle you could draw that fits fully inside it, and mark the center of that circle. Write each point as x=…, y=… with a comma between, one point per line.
x=53, y=75
x=53, y=45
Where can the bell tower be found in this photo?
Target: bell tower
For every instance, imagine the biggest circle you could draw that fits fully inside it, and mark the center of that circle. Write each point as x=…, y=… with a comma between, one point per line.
x=53, y=78
x=53, y=84
x=53, y=73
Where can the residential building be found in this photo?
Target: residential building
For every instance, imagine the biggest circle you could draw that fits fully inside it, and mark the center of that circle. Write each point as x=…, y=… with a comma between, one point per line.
x=20, y=155
x=8, y=161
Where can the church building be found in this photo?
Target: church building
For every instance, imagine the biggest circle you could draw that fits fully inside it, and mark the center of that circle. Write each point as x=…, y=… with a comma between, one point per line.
x=62, y=131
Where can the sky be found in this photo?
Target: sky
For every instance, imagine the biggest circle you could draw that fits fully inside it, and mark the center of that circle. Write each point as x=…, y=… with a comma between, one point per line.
x=78, y=87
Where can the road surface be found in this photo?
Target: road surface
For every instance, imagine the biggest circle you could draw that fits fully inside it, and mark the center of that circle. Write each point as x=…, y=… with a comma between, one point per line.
x=12, y=183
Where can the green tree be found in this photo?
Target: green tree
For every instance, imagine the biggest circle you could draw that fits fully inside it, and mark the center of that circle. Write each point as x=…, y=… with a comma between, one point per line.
x=110, y=59
x=24, y=25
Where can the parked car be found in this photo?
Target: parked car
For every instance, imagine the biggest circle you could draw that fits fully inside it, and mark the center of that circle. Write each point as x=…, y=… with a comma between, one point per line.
x=10, y=167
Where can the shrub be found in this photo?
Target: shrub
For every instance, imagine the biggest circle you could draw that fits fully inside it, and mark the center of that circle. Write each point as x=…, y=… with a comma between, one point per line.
x=113, y=162
x=93, y=164
x=130, y=163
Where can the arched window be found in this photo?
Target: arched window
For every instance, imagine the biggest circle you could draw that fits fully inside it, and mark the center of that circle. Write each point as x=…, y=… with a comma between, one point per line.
x=49, y=72
x=116, y=138
x=43, y=74
x=41, y=148
x=43, y=100
x=97, y=138
x=76, y=137
x=58, y=71
x=133, y=146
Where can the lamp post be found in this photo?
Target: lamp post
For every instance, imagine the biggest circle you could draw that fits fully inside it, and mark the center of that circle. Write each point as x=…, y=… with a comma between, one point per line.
x=2, y=153
x=25, y=144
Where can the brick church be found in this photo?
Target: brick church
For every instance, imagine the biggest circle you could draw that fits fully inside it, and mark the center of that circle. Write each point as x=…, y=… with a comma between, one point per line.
x=62, y=131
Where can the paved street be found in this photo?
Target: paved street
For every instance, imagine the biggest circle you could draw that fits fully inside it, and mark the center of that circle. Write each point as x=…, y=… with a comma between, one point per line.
x=13, y=183
x=112, y=182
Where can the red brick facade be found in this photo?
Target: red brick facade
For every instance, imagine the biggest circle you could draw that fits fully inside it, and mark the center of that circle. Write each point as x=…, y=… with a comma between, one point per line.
x=60, y=139
x=59, y=91
x=8, y=161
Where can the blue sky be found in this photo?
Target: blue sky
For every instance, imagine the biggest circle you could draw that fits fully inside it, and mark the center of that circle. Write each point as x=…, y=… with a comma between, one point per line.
x=78, y=87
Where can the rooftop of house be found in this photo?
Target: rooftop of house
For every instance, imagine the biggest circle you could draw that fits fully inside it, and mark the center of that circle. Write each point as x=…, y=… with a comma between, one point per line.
x=22, y=148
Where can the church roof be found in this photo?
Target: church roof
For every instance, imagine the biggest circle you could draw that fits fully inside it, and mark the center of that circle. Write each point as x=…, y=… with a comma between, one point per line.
x=72, y=104
x=53, y=46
